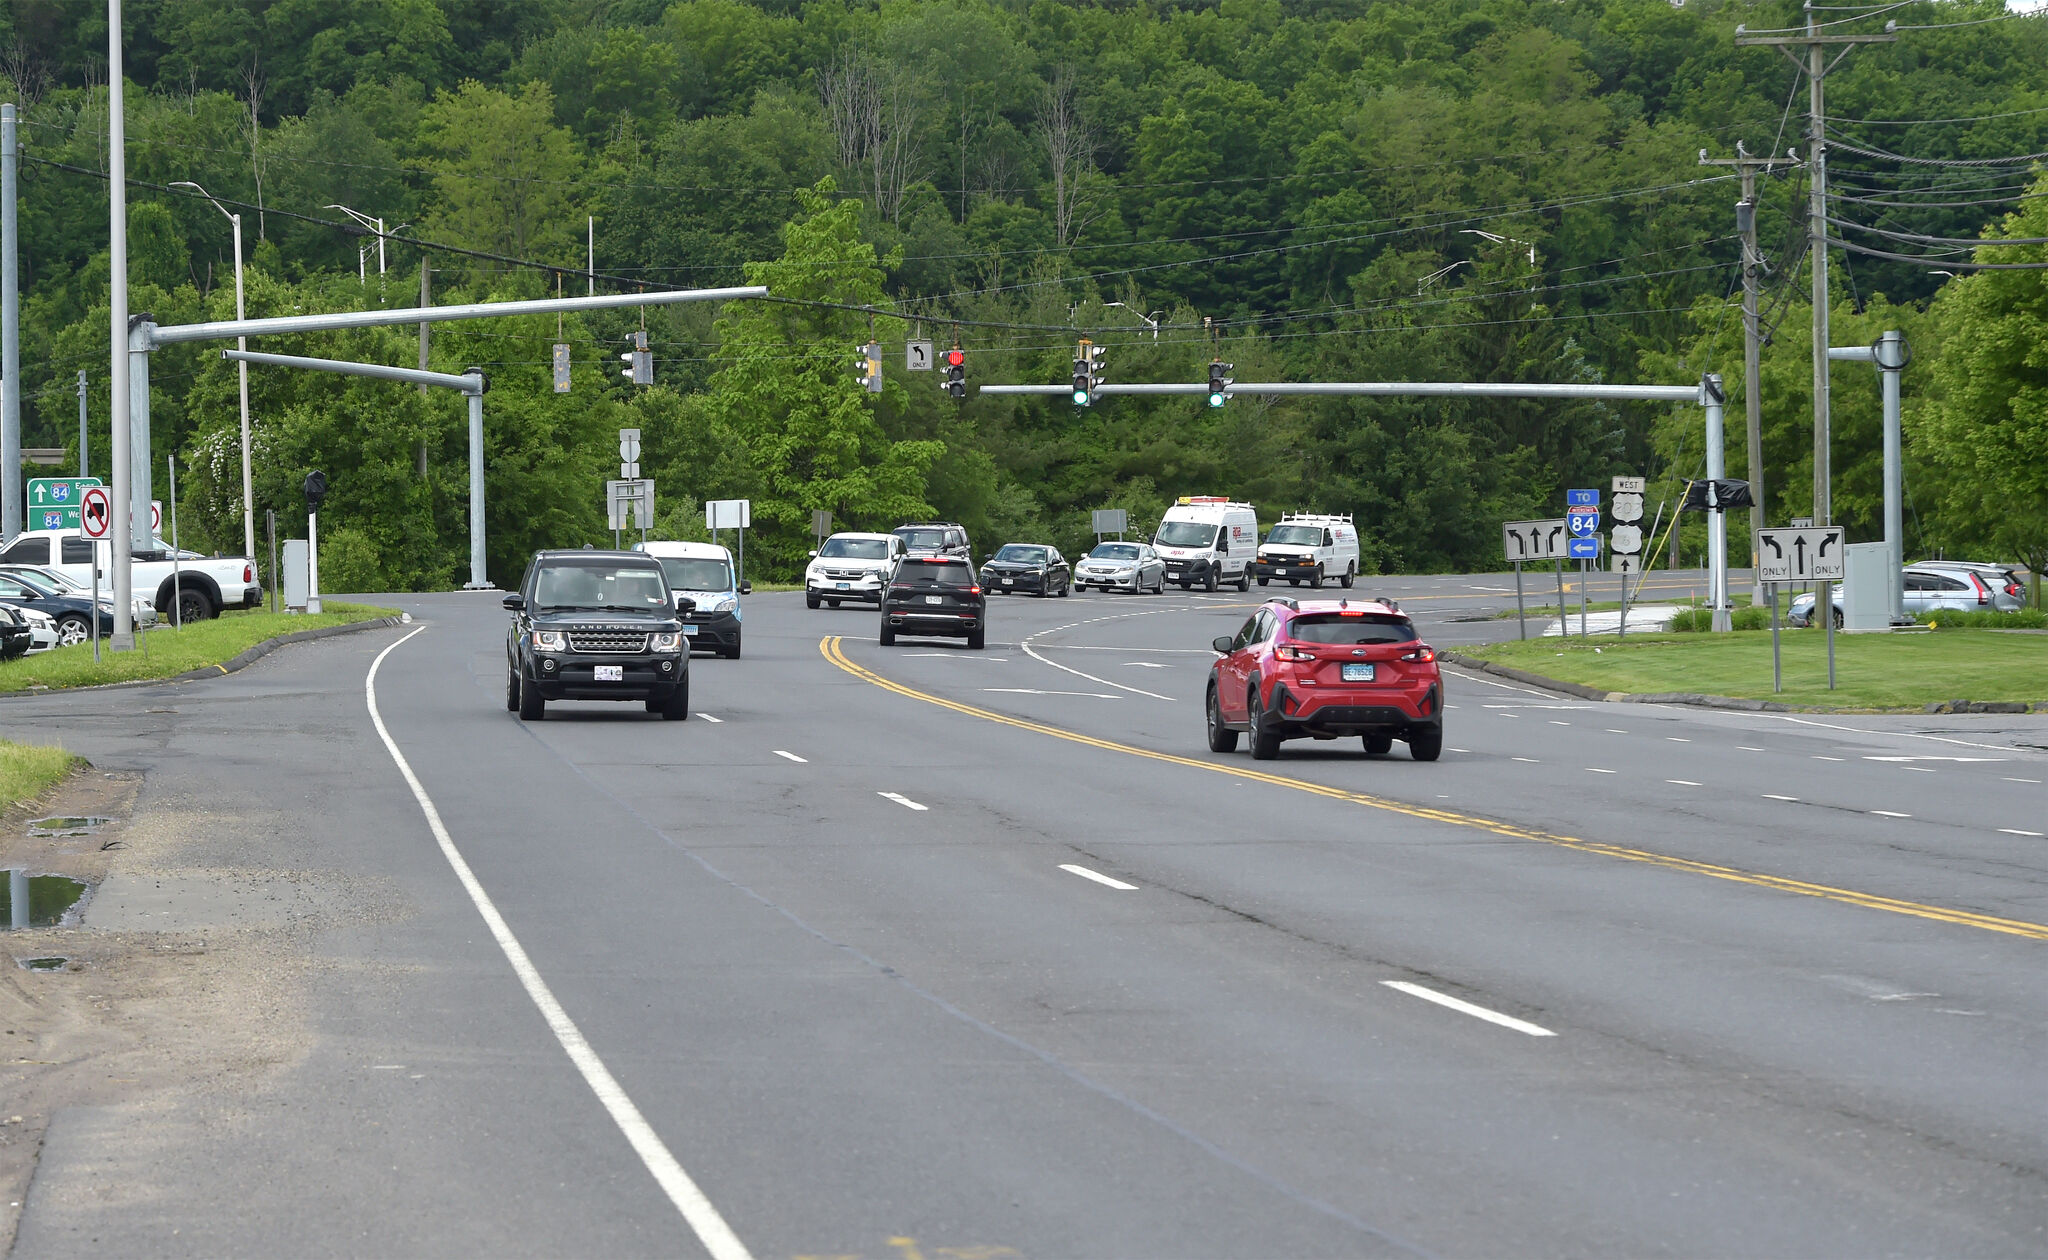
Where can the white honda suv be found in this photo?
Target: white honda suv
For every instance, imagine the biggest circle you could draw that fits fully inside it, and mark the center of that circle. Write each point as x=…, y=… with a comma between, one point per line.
x=851, y=567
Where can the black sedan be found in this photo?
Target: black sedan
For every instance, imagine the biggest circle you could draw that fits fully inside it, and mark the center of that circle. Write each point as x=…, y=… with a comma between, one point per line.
x=69, y=611
x=1033, y=568
x=14, y=634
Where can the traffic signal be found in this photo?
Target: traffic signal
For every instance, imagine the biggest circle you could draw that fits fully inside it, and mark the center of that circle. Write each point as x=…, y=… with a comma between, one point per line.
x=639, y=361
x=1087, y=372
x=956, y=373
x=868, y=366
x=1219, y=381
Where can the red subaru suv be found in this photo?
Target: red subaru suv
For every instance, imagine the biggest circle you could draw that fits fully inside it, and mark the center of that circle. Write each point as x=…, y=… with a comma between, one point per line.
x=1323, y=669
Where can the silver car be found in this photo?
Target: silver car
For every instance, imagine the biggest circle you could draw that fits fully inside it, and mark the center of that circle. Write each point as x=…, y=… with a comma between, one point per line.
x=1928, y=588
x=1121, y=566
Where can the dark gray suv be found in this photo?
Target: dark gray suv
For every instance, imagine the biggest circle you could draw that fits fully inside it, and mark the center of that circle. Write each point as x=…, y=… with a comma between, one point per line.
x=596, y=625
x=935, y=538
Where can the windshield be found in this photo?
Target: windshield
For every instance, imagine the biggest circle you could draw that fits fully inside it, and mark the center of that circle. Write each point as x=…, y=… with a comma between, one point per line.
x=1296, y=535
x=1021, y=554
x=601, y=584
x=854, y=549
x=923, y=539
x=696, y=573
x=36, y=582
x=1338, y=628
x=1114, y=551
x=1186, y=534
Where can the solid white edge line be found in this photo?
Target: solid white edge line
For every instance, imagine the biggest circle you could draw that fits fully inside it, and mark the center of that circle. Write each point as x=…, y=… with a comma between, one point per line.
x=1477, y=1012
x=802, y=761
x=2015, y=831
x=1097, y=876
x=903, y=800
x=697, y=1211
x=1889, y=813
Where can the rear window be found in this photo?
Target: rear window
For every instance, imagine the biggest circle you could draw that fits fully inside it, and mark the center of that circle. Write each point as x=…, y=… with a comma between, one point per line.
x=923, y=539
x=1337, y=628
x=951, y=572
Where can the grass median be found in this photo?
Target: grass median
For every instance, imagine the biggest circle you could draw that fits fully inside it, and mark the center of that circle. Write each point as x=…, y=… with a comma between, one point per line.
x=1873, y=671
x=165, y=651
x=29, y=770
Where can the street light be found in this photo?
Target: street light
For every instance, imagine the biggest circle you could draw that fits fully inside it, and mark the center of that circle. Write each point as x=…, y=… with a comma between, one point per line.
x=375, y=225
x=1150, y=321
x=1498, y=239
x=241, y=343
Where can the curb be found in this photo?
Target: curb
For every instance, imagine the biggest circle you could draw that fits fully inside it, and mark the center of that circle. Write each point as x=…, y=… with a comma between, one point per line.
x=244, y=659
x=1739, y=703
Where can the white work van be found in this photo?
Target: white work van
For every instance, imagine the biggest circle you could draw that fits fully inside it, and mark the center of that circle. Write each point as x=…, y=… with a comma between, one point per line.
x=1306, y=547
x=1208, y=541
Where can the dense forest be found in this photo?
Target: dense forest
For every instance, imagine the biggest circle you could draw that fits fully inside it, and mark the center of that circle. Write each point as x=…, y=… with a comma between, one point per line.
x=1486, y=190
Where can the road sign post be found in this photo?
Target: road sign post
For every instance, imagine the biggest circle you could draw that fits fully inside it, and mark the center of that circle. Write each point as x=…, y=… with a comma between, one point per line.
x=53, y=502
x=1807, y=553
x=1626, y=538
x=1524, y=541
x=736, y=515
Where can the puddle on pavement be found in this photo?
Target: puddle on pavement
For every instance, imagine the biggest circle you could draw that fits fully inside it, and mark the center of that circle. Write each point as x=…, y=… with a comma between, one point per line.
x=33, y=901
x=65, y=826
x=44, y=964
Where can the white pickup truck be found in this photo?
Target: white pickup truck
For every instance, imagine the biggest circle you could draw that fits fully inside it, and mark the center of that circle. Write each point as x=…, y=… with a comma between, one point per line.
x=208, y=583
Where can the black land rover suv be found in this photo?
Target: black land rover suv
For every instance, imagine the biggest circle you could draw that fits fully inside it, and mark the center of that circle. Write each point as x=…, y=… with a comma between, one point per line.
x=934, y=595
x=595, y=625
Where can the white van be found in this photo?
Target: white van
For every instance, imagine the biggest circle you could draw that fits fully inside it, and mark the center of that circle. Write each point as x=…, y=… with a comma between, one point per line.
x=1305, y=547
x=703, y=574
x=1208, y=541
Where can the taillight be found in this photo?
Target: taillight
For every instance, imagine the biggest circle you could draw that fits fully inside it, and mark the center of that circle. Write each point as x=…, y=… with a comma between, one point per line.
x=1422, y=654
x=1289, y=652
x=974, y=590
x=1983, y=592
x=2013, y=589
x=248, y=573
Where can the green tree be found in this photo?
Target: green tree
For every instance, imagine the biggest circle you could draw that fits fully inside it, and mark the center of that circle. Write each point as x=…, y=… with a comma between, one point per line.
x=504, y=173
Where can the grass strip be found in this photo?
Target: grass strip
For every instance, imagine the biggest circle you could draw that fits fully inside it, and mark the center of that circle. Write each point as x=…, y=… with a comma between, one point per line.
x=165, y=651
x=29, y=770
x=1873, y=671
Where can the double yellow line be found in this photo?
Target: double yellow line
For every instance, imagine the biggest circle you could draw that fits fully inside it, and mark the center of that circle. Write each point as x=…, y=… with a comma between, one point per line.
x=830, y=647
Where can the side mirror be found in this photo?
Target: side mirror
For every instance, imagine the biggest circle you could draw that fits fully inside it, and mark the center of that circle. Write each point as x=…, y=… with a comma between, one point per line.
x=684, y=604
x=1221, y=643
x=515, y=603
x=746, y=588
x=814, y=555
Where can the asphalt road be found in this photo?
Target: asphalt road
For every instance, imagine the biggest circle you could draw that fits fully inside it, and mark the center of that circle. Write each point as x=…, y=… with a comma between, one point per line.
x=919, y=951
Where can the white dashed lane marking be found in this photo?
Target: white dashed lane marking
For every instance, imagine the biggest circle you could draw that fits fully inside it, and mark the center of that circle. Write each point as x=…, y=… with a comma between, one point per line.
x=1468, y=1008
x=790, y=756
x=1598, y=770
x=1682, y=782
x=1889, y=813
x=2015, y=831
x=1773, y=796
x=1098, y=877
x=1531, y=760
x=714, y=721
x=902, y=800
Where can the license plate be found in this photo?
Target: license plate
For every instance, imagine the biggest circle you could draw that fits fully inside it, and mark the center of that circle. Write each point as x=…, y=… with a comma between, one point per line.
x=1009, y=581
x=1358, y=673
x=617, y=673
x=934, y=599
x=845, y=586
x=687, y=629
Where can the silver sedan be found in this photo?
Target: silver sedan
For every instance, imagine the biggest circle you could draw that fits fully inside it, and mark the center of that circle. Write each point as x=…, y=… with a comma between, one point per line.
x=1121, y=566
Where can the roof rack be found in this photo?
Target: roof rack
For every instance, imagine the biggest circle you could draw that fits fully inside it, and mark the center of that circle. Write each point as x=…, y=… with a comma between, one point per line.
x=1287, y=600
x=1345, y=517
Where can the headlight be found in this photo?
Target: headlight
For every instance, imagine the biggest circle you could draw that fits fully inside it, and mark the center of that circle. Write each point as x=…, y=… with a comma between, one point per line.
x=670, y=642
x=550, y=641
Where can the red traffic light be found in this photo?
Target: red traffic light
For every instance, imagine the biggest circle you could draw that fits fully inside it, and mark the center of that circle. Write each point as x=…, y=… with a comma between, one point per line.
x=954, y=358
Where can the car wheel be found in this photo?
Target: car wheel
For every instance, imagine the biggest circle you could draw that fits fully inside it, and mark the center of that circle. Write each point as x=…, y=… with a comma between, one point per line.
x=1210, y=583
x=194, y=606
x=1265, y=581
x=1294, y=581
x=810, y=601
x=677, y=707
x=734, y=654
x=888, y=636
x=1838, y=619
x=511, y=689
x=1426, y=745
x=833, y=602
x=531, y=707
x=1265, y=736
x=1350, y=576
x=72, y=628
x=976, y=638
x=1315, y=580
x=1379, y=745
x=1066, y=589
x=1221, y=738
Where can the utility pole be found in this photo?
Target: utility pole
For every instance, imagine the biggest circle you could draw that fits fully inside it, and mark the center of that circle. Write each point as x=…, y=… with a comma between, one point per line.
x=426, y=300
x=120, y=537
x=10, y=335
x=1753, y=266
x=81, y=424
x=1816, y=68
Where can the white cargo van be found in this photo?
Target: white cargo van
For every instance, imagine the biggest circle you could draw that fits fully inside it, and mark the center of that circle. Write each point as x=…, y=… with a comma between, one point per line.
x=1207, y=541
x=1305, y=547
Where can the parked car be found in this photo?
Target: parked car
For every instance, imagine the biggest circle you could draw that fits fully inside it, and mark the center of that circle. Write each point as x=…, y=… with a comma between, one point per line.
x=1927, y=589
x=2006, y=580
x=1323, y=669
x=595, y=625
x=851, y=566
x=935, y=595
x=71, y=613
x=42, y=629
x=143, y=612
x=14, y=634
x=1034, y=568
x=702, y=573
x=1127, y=566
x=205, y=584
x=935, y=538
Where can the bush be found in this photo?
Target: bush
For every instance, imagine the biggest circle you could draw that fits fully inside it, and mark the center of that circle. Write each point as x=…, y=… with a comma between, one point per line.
x=1700, y=620
x=2025, y=619
x=349, y=562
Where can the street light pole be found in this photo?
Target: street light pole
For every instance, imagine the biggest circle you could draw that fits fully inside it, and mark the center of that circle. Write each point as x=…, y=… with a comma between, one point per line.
x=375, y=225
x=241, y=343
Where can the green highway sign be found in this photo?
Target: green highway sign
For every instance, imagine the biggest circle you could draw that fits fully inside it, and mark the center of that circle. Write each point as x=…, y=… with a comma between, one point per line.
x=53, y=501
